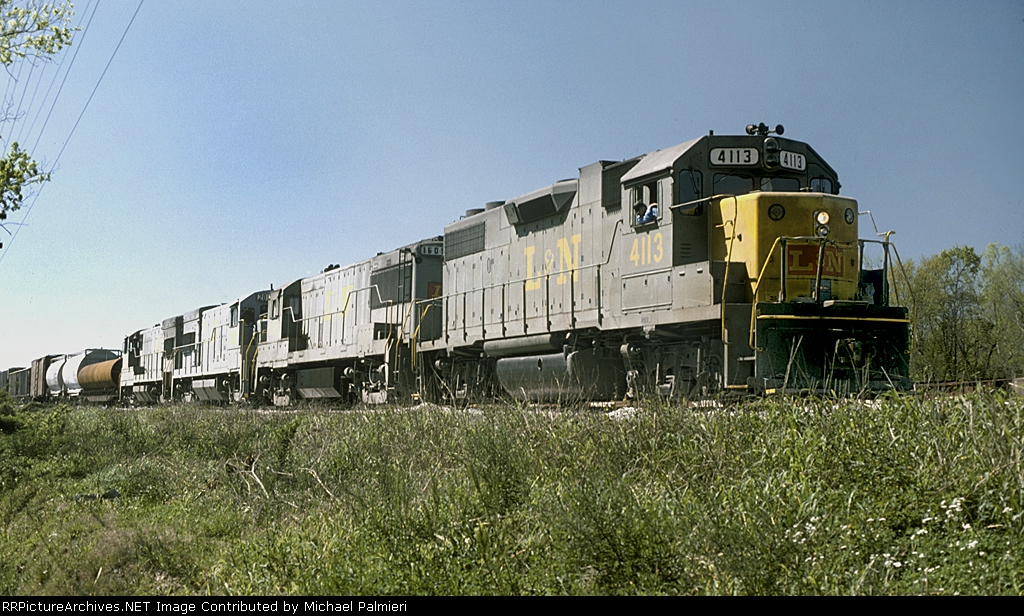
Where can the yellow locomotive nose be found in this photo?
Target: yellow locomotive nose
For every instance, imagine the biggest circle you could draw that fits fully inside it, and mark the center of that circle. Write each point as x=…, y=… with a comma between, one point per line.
x=755, y=230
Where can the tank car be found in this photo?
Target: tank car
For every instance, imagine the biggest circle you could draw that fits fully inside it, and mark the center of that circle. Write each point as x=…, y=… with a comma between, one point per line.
x=90, y=375
x=728, y=262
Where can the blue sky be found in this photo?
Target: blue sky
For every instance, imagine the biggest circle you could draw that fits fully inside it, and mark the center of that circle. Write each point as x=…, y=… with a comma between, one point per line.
x=237, y=144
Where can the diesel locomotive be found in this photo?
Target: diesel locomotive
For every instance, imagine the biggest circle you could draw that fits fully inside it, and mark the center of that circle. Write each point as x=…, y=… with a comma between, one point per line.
x=726, y=263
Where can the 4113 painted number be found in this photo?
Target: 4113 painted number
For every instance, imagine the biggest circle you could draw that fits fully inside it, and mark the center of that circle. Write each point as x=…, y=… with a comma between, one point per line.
x=647, y=249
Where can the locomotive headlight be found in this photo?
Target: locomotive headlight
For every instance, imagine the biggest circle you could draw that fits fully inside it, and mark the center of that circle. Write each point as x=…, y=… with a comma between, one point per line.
x=821, y=217
x=850, y=216
x=822, y=230
x=776, y=211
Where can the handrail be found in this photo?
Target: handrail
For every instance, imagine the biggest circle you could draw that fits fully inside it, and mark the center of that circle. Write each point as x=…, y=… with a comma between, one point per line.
x=913, y=298
x=391, y=303
x=546, y=277
x=414, y=338
x=728, y=257
x=757, y=285
x=342, y=311
x=821, y=241
x=606, y=261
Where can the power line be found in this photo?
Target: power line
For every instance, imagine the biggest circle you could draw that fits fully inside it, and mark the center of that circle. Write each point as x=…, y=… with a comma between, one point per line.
x=66, y=141
x=13, y=83
x=13, y=120
x=56, y=75
x=24, y=129
x=56, y=97
x=11, y=92
x=24, y=91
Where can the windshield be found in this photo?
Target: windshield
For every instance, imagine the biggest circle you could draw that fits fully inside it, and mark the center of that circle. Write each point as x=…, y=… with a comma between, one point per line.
x=732, y=184
x=780, y=184
x=727, y=184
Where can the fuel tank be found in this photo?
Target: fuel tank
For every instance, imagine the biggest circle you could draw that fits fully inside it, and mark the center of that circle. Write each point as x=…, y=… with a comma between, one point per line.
x=561, y=377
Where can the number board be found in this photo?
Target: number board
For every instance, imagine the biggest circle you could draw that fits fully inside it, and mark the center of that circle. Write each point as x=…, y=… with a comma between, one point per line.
x=734, y=156
x=792, y=160
x=431, y=250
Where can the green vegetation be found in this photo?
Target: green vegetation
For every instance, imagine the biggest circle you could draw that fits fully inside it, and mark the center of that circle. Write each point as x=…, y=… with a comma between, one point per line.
x=898, y=495
x=969, y=313
x=32, y=31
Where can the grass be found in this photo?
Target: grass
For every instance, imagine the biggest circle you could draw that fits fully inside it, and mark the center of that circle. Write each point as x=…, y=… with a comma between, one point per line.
x=778, y=496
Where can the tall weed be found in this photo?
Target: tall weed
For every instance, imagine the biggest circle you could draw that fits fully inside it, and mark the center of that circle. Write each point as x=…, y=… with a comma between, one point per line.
x=776, y=496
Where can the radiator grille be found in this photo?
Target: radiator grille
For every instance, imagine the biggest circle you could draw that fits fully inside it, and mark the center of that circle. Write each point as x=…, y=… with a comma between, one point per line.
x=465, y=241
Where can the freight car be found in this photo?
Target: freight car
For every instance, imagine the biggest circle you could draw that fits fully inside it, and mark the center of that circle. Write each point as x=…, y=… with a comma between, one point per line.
x=92, y=375
x=15, y=381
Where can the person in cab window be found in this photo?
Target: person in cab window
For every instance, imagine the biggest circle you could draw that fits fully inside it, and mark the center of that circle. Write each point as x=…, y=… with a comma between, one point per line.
x=640, y=212
x=651, y=215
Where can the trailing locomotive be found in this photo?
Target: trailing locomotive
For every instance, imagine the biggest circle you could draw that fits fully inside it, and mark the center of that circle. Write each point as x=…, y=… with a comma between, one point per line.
x=353, y=331
x=205, y=354
x=728, y=262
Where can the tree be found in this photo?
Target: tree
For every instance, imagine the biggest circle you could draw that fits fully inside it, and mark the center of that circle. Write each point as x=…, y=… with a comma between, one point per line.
x=1002, y=301
x=946, y=288
x=969, y=313
x=28, y=31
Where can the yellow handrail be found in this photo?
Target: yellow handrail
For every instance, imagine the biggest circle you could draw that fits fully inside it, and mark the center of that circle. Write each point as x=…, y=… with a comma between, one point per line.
x=757, y=285
x=728, y=257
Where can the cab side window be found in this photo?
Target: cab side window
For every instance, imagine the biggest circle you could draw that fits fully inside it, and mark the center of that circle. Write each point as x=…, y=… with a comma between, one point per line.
x=691, y=185
x=646, y=200
x=690, y=188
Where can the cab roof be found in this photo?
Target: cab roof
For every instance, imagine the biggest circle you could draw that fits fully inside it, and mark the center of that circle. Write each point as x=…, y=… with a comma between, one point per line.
x=658, y=161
